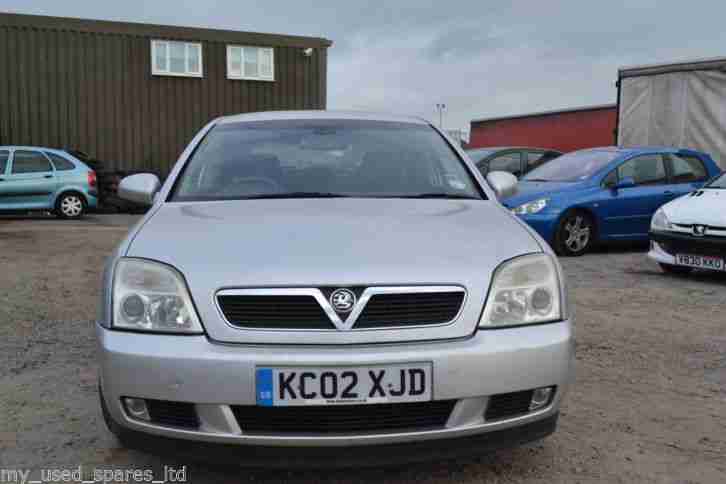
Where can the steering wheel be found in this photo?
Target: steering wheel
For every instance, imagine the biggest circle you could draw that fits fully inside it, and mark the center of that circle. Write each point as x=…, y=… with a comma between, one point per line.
x=234, y=184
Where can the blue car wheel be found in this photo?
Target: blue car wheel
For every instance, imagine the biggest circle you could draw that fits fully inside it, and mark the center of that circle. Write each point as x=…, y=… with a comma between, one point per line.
x=575, y=234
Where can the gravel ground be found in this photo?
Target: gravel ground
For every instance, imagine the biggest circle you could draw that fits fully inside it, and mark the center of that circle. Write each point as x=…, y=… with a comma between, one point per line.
x=649, y=403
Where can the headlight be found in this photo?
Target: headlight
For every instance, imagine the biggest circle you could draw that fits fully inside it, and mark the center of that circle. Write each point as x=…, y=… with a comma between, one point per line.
x=150, y=296
x=531, y=207
x=525, y=290
x=660, y=221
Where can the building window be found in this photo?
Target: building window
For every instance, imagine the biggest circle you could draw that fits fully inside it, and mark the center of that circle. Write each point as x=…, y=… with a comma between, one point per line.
x=251, y=63
x=170, y=58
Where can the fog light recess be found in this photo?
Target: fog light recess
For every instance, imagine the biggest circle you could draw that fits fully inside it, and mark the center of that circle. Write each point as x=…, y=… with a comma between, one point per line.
x=541, y=397
x=136, y=408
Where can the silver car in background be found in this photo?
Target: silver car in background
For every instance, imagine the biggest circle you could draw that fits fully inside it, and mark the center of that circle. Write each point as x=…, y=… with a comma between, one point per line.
x=309, y=280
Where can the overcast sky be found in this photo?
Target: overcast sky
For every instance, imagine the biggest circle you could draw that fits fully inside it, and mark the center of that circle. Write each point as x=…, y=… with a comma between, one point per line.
x=482, y=58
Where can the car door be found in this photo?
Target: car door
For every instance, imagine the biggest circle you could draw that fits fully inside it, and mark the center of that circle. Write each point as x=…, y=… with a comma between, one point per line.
x=510, y=161
x=626, y=212
x=4, y=165
x=686, y=172
x=30, y=182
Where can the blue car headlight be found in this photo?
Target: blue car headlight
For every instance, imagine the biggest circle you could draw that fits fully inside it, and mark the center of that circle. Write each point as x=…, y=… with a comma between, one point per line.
x=531, y=207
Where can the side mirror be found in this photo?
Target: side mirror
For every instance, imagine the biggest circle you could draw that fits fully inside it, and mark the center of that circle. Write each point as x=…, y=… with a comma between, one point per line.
x=139, y=188
x=503, y=183
x=627, y=182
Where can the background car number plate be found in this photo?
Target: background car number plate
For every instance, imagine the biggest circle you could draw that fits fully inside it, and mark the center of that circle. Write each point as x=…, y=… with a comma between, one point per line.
x=287, y=386
x=701, y=262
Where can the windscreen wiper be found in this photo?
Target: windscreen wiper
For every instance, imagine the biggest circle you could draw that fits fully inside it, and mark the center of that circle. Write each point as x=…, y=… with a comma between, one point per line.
x=296, y=195
x=536, y=179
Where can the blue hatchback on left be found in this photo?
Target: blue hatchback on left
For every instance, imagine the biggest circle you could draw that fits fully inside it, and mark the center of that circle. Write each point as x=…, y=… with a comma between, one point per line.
x=33, y=178
x=606, y=194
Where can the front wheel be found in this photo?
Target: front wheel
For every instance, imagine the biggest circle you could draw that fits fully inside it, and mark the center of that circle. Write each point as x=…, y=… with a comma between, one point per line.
x=70, y=205
x=675, y=270
x=575, y=234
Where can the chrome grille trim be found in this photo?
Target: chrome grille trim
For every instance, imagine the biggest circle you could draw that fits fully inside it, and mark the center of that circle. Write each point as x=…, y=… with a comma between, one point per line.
x=711, y=230
x=337, y=323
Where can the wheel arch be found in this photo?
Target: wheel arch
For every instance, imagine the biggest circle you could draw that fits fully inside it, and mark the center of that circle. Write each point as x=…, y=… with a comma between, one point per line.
x=586, y=211
x=65, y=191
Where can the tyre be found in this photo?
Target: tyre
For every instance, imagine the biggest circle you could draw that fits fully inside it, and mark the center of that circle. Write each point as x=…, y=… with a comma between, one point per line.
x=70, y=206
x=676, y=270
x=575, y=234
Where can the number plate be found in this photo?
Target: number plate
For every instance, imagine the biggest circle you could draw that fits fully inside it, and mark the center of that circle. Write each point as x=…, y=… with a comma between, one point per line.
x=339, y=386
x=701, y=262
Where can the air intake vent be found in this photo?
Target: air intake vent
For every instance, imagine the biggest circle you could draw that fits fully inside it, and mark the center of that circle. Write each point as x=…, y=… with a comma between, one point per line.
x=370, y=308
x=274, y=312
x=412, y=309
x=342, y=419
x=173, y=414
x=507, y=405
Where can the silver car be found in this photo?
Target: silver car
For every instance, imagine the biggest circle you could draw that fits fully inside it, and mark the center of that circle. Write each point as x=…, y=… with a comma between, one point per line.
x=309, y=280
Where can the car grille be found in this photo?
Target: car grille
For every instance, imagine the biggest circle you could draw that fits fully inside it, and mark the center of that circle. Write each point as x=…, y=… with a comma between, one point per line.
x=507, y=405
x=688, y=244
x=711, y=228
x=384, y=309
x=415, y=309
x=174, y=414
x=343, y=419
x=274, y=312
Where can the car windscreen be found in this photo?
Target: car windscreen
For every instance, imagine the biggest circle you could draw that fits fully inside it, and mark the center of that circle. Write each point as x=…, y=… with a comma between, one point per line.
x=719, y=182
x=572, y=167
x=316, y=159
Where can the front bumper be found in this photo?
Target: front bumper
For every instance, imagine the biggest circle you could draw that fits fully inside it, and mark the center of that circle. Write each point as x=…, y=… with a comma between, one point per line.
x=666, y=245
x=214, y=376
x=321, y=457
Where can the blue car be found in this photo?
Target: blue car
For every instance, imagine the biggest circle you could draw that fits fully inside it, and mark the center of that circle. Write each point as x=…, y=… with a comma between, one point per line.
x=33, y=178
x=605, y=194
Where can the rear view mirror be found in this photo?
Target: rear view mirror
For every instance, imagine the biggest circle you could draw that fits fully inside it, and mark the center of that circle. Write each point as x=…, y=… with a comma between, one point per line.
x=503, y=183
x=627, y=182
x=139, y=188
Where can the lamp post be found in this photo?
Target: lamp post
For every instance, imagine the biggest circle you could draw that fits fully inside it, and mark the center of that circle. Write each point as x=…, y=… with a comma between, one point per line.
x=441, y=107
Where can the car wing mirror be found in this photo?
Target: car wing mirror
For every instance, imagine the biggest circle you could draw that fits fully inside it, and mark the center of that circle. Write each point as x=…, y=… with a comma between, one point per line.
x=503, y=183
x=141, y=188
x=627, y=182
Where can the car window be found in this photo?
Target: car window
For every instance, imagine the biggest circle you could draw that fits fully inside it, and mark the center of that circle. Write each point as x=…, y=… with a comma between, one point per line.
x=719, y=182
x=686, y=169
x=611, y=180
x=533, y=159
x=60, y=163
x=307, y=158
x=479, y=154
x=644, y=170
x=30, y=162
x=509, y=162
x=4, y=155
